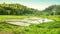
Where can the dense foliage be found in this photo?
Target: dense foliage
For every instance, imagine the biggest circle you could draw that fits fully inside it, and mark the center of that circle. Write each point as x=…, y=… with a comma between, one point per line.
x=52, y=10
x=17, y=9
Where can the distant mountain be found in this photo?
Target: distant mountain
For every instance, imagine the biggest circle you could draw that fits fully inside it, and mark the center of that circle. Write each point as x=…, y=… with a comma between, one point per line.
x=54, y=9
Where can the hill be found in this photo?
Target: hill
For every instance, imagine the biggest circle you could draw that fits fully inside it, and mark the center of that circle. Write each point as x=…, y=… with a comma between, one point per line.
x=52, y=10
x=17, y=9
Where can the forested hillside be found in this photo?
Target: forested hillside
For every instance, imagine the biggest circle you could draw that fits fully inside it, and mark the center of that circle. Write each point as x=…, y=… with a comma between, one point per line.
x=52, y=10
x=17, y=9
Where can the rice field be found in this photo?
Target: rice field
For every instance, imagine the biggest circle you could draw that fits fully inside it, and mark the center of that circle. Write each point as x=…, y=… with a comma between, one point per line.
x=44, y=28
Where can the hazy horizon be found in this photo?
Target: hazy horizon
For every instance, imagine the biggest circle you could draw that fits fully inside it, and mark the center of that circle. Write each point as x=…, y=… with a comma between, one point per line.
x=36, y=4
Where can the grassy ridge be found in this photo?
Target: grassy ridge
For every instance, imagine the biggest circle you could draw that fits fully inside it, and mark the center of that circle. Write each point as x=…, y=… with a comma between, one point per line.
x=21, y=17
x=45, y=28
x=56, y=17
x=2, y=17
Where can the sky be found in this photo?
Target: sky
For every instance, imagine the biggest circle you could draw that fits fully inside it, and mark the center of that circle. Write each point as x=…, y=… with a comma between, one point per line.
x=36, y=4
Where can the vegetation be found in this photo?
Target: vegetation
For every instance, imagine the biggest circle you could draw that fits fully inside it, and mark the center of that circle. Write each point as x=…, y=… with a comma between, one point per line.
x=17, y=9
x=20, y=11
x=52, y=10
x=45, y=28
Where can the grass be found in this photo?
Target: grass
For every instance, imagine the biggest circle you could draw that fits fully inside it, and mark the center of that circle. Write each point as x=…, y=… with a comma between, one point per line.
x=44, y=28
x=56, y=17
x=2, y=17
x=33, y=29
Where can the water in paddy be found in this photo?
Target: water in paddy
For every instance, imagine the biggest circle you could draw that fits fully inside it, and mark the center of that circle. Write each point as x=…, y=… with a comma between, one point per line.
x=28, y=21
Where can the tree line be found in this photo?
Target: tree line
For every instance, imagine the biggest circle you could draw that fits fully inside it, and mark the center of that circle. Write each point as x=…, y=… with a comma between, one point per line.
x=52, y=10
x=17, y=9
